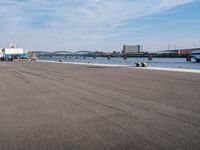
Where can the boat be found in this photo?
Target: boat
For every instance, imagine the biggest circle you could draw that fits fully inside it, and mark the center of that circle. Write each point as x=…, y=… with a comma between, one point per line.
x=196, y=55
x=13, y=52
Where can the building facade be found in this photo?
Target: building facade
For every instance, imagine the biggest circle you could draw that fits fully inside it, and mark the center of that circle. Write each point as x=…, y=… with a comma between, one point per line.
x=131, y=49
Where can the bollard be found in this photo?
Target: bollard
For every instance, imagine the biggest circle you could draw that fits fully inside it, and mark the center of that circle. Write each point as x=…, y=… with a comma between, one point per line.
x=150, y=57
x=108, y=57
x=138, y=64
x=125, y=57
x=33, y=59
x=144, y=64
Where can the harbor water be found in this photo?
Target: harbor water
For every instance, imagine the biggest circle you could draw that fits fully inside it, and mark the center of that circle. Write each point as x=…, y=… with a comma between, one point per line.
x=156, y=62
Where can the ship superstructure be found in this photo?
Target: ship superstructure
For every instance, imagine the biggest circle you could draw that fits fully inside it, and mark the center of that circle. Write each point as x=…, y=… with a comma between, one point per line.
x=196, y=55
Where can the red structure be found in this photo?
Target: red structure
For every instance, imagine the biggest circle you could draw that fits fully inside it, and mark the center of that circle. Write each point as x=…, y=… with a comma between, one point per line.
x=185, y=51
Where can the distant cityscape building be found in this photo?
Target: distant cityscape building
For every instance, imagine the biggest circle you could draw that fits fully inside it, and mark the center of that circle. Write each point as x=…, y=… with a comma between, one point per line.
x=131, y=49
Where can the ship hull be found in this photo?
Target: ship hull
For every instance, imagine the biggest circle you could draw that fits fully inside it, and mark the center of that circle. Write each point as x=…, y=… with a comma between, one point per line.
x=196, y=55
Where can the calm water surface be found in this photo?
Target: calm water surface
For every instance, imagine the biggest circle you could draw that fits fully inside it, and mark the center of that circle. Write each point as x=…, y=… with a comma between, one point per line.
x=156, y=62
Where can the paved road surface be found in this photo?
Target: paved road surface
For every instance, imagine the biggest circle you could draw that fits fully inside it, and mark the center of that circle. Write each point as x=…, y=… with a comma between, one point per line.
x=46, y=106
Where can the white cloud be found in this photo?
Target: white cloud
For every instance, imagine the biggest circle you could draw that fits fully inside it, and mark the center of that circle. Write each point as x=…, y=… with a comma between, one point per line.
x=49, y=23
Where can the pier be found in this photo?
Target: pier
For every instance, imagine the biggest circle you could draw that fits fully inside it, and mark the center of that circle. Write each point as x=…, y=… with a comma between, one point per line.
x=81, y=107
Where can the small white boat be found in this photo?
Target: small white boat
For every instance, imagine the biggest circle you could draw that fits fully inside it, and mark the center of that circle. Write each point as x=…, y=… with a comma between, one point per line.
x=196, y=55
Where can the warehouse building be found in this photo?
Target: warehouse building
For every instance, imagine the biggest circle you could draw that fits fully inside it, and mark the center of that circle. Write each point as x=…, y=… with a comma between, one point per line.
x=131, y=49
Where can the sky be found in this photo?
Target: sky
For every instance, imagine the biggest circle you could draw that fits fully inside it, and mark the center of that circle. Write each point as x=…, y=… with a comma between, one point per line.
x=106, y=25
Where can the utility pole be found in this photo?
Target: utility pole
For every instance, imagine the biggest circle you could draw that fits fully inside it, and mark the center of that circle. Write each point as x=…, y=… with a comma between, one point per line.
x=141, y=48
x=168, y=46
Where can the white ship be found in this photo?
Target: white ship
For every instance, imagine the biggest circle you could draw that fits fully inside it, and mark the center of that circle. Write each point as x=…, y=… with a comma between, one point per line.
x=13, y=52
x=196, y=55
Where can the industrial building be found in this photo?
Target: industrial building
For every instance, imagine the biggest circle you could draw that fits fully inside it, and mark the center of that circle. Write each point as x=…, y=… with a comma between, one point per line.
x=131, y=49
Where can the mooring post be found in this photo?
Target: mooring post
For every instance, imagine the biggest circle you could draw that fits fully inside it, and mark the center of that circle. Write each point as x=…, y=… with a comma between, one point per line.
x=108, y=57
x=189, y=58
x=150, y=57
x=125, y=57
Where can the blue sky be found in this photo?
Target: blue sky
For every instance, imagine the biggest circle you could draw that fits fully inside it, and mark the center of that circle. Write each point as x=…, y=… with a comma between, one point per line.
x=100, y=24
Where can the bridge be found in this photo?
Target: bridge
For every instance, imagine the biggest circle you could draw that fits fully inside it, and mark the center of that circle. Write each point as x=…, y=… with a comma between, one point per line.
x=66, y=53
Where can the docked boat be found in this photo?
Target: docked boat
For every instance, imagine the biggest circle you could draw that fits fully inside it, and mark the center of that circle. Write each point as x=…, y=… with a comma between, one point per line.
x=13, y=53
x=196, y=55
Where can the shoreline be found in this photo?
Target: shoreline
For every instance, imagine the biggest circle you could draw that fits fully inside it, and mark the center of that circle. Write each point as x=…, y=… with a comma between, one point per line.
x=143, y=68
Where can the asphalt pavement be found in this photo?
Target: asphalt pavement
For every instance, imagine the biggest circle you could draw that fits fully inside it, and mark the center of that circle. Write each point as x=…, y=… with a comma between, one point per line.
x=49, y=106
